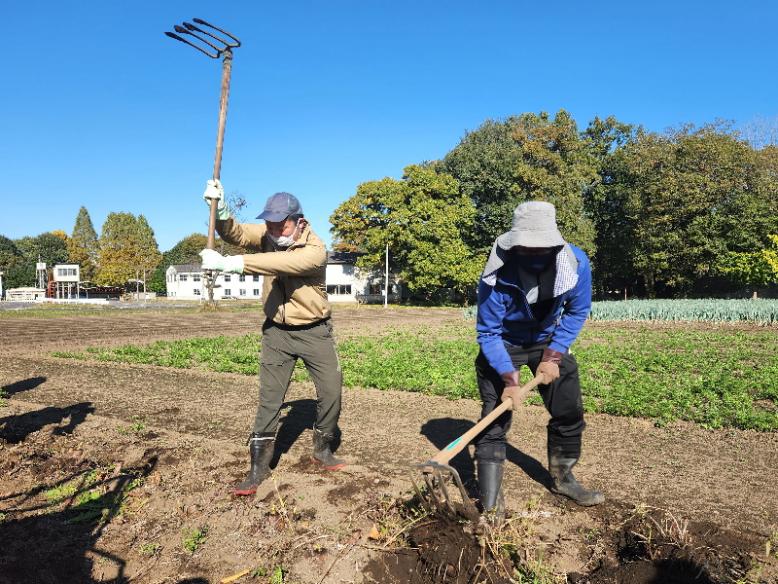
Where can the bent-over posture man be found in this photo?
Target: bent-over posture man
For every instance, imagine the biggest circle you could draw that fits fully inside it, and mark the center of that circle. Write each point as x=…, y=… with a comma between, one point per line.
x=293, y=261
x=533, y=299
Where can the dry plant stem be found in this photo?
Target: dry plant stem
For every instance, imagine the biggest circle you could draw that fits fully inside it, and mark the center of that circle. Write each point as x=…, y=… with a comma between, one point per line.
x=405, y=528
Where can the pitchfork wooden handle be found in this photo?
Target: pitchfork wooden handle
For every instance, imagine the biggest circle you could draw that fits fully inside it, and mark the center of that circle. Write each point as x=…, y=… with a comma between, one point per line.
x=460, y=443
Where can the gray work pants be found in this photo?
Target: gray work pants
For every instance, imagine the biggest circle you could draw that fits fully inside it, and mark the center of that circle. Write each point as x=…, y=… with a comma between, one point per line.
x=281, y=347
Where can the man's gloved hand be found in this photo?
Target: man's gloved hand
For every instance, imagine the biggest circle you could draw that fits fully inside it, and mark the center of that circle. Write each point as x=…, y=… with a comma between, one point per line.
x=511, y=380
x=549, y=365
x=213, y=260
x=215, y=190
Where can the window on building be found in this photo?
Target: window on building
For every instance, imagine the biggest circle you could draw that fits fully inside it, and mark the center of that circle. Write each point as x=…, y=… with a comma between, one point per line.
x=256, y=291
x=339, y=289
x=242, y=291
x=242, y=278
x=256, y=277
x=195, y=277
x=182, y=278
x=227, y=292
x=227, y=277
x=196, y=292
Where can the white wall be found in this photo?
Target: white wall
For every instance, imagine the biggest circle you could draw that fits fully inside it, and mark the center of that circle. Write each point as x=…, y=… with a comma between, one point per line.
x=191, y=286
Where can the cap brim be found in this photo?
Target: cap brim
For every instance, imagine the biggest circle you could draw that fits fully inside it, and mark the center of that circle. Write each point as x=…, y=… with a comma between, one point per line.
x=270, y=216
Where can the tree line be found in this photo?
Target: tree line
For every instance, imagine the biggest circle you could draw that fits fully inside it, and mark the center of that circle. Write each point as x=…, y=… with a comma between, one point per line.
x=691, y=211
x=125, y=250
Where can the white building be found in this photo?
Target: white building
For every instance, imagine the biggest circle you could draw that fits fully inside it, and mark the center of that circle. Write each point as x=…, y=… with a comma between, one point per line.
x=65, y=280
x=345, y=283
x=186, y=282
x=27, y=294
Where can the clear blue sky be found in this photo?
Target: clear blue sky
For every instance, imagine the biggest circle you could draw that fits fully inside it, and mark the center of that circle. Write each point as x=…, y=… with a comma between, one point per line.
x=100, y=109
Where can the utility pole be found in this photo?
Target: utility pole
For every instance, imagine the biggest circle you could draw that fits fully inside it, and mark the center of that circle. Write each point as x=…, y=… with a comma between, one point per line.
x=386, y=278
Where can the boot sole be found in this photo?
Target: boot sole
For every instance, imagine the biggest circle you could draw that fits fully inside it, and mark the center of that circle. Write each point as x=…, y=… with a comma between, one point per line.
x=244, y=492
x=334, y=467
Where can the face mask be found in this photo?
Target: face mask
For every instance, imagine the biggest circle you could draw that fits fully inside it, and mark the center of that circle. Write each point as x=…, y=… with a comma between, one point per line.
x=535, y=264
x=285, y=240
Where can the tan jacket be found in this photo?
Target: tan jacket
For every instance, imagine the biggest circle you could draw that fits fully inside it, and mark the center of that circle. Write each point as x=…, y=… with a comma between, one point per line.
x=294, y=290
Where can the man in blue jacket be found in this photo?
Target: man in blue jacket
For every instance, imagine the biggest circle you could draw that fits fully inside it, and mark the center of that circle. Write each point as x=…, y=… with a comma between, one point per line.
x=533, y=299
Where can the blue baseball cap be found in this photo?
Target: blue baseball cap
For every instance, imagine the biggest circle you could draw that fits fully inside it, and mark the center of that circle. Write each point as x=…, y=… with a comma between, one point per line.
x=280, y=206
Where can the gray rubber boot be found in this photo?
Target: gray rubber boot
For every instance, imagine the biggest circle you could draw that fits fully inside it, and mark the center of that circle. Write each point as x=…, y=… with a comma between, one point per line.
x=322, y=454
x=561, y=469
x=490, y=487
x=261, y=451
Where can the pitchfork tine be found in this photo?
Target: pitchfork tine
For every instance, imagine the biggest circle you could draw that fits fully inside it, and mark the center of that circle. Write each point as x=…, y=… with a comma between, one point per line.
x=192, y=27
x=173, y=35
x=182, y=30
x=232, y=45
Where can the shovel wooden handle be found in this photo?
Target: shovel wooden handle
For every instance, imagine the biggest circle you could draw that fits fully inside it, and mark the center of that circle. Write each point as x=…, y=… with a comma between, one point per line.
x=460, y=443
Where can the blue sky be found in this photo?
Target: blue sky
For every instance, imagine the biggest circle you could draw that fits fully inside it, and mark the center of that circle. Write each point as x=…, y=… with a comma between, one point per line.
x=101, y=109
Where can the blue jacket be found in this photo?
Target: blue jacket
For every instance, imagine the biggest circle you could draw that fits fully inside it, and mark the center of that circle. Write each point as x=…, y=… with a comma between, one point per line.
x=505, y=317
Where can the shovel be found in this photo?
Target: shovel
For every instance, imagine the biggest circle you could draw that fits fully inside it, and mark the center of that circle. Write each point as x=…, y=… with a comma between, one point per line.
x=435, y=470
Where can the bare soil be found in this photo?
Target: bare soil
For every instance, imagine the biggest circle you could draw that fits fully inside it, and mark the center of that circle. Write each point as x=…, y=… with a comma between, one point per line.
x=119, y=473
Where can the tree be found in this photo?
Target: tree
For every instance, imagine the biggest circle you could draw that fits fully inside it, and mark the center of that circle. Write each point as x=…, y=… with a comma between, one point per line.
x=46, y=247
x=423, y=219
x=185, y=251
x=680, y=202
x=83, y=247
x=526, y=157
x=127, y=247
x=9, y=254
x=758, y=268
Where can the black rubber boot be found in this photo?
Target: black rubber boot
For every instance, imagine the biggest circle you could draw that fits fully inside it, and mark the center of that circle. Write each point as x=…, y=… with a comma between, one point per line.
x=561, y=469
x=321, y=451
x=261, y=450
x=490, y=486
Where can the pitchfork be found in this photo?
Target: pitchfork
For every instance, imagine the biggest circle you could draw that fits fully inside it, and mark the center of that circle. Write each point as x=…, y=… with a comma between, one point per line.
x=434, y=470
x=217, y=47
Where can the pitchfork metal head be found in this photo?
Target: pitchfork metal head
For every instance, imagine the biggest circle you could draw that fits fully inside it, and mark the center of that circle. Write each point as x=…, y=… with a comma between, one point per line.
x=217, y=46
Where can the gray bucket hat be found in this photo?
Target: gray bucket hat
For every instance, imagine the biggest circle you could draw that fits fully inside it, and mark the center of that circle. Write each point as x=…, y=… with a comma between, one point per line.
x=534, y=225
x=280, y=206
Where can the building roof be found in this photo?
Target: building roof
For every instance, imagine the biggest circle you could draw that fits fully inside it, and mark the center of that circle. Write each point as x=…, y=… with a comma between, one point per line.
x=187, y=268
x=342, y=257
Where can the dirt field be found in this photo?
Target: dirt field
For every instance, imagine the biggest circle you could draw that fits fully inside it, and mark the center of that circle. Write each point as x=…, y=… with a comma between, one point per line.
x=117, y=473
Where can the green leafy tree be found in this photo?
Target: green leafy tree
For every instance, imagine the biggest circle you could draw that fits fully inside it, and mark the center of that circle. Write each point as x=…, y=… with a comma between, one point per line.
x=83, y=247
x=46, y=247
x=127, y=247
x=526, y=157
x=148, y=250
x=422, y=218
x=9, y=254
x=184, y=252
x=684, y=200
x=758, y=268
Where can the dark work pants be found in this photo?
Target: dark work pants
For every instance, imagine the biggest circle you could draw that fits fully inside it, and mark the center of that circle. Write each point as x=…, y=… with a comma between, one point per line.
x=281, y=347
x=562, y=399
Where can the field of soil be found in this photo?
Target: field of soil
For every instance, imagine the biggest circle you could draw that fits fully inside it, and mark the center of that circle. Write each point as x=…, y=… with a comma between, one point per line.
x=121, y=473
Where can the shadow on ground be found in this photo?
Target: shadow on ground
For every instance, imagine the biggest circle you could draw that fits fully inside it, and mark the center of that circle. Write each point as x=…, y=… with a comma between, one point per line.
x=54, y=539
x=14, y=429
x=23, y=385
x=442, y=431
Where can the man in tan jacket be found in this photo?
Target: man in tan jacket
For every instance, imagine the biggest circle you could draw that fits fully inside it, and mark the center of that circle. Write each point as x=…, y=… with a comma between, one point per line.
x=293, y=261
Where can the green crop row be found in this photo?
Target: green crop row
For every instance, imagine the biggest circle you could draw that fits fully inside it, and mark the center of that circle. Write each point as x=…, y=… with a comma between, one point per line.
x=717, y=378
x=711, y=310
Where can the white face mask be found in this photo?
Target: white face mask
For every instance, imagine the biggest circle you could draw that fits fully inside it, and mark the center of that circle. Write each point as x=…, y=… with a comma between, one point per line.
x=283, y=241
x=286, y=240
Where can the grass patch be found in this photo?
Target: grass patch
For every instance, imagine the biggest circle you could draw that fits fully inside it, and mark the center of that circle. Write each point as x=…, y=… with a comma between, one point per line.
x=721, y=377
